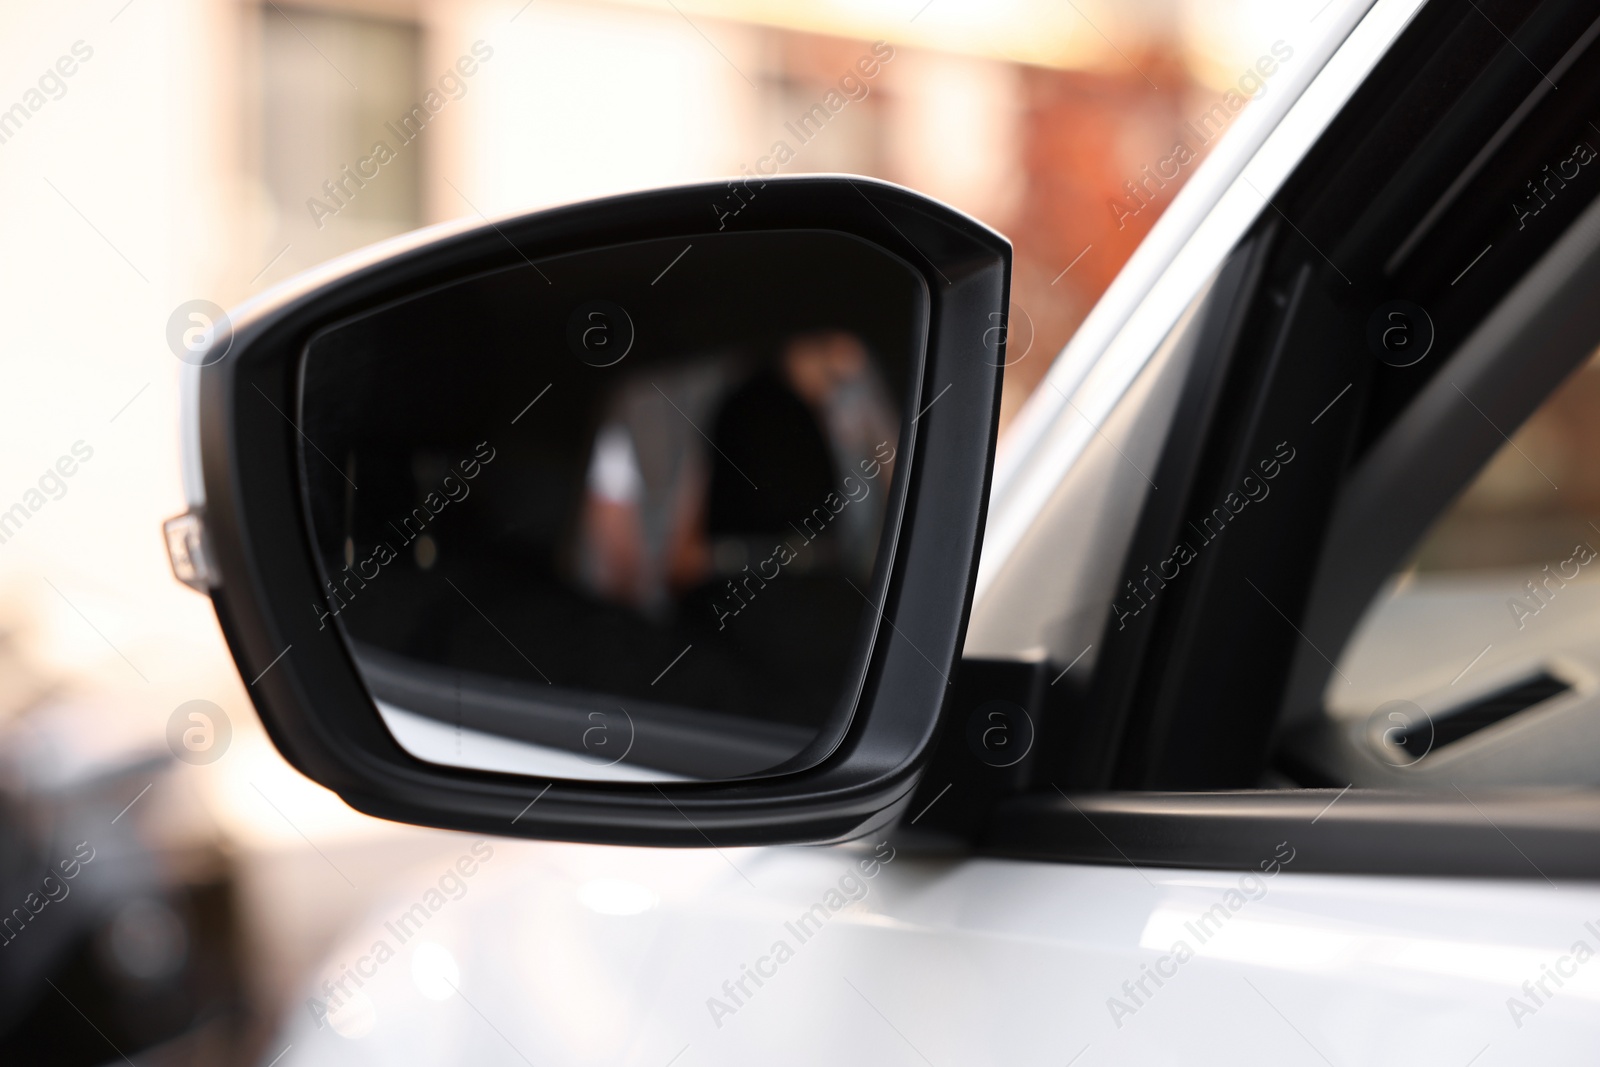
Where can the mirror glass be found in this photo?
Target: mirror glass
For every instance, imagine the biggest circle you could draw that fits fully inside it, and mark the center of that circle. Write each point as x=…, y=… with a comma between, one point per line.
x=623, y=514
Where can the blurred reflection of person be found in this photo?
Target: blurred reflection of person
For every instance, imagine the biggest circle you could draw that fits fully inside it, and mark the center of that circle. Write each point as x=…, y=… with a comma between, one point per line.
x=834, y=373
x=784, y=546
x=773, y=462
x=641, y=529
x=683, y=528
x=804, y=422
x=612, y=550
x=662, y=517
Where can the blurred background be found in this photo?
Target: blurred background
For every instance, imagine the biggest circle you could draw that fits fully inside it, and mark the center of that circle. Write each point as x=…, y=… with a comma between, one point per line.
x=154, y=152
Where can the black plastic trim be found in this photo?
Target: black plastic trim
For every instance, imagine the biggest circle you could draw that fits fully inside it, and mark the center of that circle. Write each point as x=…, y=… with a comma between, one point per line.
x=1524, y=835
x=303, y=681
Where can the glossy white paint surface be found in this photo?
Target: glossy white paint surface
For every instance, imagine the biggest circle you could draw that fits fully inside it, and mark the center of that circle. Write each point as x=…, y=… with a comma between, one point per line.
x=559, y=954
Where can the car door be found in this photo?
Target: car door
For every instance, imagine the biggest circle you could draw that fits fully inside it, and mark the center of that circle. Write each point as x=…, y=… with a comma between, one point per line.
x=1185, y=809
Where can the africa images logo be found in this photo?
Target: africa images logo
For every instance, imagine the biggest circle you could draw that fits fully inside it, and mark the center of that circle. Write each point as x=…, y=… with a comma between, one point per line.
x=850, y=888
x=1252, y=489
x=341, y=189
x=1205, y=925
x=811, y=527
x=411, y=531
x=1207, y=128
x=52, y=485
x=449, y=886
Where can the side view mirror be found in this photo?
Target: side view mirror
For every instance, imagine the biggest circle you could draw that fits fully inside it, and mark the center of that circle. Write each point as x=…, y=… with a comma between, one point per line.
x=638, y=521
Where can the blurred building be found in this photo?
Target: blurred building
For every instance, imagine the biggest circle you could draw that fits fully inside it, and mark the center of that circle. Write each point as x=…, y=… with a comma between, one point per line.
x=364, y=122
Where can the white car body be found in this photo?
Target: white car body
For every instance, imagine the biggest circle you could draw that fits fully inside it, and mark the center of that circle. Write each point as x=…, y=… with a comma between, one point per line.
x=577, y=954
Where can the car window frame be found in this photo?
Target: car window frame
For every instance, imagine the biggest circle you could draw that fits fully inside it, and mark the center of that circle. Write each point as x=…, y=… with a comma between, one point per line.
x=1072, y=808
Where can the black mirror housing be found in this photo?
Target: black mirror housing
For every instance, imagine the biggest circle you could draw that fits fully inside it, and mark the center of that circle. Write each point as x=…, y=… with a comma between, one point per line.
x=255, y=536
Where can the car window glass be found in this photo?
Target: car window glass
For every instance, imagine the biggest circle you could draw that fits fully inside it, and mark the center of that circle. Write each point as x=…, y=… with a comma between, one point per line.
x=1481, y=648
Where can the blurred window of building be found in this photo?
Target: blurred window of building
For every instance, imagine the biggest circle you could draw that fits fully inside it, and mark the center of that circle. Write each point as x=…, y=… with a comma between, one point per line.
x=823, y=104
x=339, y=157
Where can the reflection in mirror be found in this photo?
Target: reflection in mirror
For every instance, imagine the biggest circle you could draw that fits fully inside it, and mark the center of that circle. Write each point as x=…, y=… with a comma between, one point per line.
x=622, y=514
